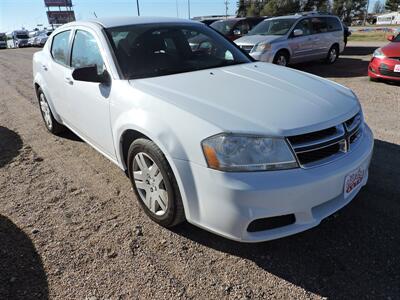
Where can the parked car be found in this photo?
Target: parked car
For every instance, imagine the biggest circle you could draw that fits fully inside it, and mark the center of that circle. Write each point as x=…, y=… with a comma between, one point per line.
x=41, y=39
x=247, y=150
x=209, y=21
x=3, y=41
x=294, y=39
x=385, y=61
x=234, y=28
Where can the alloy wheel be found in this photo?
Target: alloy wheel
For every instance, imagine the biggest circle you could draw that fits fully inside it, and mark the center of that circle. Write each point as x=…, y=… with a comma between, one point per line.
x=149, y=182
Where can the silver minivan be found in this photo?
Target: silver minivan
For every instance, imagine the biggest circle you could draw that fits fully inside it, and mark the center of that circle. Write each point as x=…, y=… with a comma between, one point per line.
x=295, y=38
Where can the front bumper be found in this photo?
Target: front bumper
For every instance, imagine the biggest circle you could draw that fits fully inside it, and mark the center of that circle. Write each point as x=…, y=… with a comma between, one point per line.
x=263, y=56
x=226, y=203
x=375, y=69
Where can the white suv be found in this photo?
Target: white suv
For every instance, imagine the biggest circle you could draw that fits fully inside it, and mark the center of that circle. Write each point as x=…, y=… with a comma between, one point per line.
x=248, y=150
x=295, y=39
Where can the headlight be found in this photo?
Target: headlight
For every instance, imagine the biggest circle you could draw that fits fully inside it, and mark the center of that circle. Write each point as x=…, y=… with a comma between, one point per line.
x=378, y=53
x=262, y=47
x=230, y=152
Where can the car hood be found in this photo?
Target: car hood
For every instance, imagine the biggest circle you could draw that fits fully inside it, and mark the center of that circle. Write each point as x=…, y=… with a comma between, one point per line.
x=257, y=98
x=392, y=49
x=255, y=39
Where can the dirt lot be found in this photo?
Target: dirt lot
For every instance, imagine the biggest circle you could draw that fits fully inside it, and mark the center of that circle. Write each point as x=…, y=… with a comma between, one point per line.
x=70, y=227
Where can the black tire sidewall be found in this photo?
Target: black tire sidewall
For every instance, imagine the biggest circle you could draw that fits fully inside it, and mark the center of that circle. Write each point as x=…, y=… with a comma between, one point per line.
x=281, y=53
x=329, y=54
x=152, y=150
x=40, y=92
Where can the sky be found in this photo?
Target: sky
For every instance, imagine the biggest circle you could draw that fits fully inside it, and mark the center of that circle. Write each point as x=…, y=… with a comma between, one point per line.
x=15, y=14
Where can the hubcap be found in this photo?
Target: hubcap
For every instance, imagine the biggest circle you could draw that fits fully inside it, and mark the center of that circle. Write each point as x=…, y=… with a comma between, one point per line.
x=332, y=55
x=281, y=60
x=150, y=184
x=44, y=107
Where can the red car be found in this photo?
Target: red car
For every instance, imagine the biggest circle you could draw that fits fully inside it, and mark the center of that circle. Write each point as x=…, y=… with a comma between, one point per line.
x=385, y=62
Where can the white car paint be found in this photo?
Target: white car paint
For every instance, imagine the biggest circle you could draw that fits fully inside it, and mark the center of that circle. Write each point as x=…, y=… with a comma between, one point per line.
x=179, y=111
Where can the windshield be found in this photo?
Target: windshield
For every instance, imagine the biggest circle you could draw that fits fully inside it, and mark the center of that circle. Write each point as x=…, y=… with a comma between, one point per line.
x=273, y=27
x=150, y=50
x=22, y=36
x=397, y=38
x=224, y=27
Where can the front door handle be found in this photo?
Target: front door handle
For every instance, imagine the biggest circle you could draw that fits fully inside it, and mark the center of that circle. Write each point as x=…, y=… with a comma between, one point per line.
x=69, y=80
x=44, y=67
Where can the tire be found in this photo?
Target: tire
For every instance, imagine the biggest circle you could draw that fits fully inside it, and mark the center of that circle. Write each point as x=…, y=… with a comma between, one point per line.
x=333, y=55
x=51, y=124
x=159, y=196
x=281, y=58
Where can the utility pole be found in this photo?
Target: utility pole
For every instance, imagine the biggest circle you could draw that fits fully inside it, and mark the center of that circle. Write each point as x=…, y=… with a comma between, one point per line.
x=138, y=9
x=189, y=9
x=226, y=8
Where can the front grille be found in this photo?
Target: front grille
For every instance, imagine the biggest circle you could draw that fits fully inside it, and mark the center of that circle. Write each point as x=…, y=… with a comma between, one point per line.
x=246, y=48
x=395, y=58
x=388, y=72
x=316, y=148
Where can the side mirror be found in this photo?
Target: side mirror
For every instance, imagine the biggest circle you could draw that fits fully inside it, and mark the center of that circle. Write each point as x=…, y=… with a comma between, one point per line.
x=237, y=32
x=298, y=32
x=390, y=38
x=89, y=74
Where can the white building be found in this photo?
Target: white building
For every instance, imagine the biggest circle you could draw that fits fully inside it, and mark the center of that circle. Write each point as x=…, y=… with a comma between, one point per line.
x=391, y=18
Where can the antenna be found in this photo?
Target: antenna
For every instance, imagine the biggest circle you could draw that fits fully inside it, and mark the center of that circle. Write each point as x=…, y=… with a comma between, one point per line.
x=95, y=14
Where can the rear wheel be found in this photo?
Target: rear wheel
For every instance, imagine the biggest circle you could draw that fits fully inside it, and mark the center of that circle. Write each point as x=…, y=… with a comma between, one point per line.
x=281, y=58
x=333, y=54
x=154, y=183
x=51, y=124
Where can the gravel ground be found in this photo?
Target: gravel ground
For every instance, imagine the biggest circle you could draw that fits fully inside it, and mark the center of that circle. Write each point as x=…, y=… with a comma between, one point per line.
x=70, y=227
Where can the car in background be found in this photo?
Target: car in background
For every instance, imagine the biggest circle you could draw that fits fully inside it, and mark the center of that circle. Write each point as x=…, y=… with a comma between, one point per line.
x=385, y=61
x=248, y=150
x=41, y=39
x=3, y=40
x=32, y=38
x=295, y=39
x=209, y=21
x=234, y=28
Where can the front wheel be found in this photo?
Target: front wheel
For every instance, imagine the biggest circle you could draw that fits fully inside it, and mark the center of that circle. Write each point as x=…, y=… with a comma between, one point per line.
x=333, y=55
x=281, y=58
x=154, y=183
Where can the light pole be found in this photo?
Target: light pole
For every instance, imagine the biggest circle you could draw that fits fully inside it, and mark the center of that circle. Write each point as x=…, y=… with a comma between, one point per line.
x=226, y=8
x=138, y=9
x=189, y=8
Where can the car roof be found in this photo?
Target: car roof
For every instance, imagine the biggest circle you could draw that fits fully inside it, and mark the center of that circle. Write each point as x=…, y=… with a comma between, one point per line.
x=126, y=21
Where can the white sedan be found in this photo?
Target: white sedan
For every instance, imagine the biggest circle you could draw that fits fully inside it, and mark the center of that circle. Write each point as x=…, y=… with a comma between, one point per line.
x=248, y=150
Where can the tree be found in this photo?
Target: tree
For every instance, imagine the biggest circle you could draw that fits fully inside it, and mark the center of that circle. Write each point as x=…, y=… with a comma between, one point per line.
x=281, y=7
x=318, y=5
x=241, y=9
x=378, y=7
x=348, y=9
x=392, y=5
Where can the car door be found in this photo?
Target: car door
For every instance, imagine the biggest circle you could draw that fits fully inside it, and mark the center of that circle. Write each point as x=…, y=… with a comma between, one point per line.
x=301, y=46
x=54, y=71
x=89, y=101
x=320, y=37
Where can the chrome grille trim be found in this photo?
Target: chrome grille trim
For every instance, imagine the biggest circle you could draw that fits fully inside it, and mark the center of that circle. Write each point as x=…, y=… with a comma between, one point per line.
x=324, y=146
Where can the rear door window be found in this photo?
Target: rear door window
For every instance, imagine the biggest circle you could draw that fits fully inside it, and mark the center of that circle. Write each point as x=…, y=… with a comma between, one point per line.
x=59, y=47
x=333, y=24
x=319, y=25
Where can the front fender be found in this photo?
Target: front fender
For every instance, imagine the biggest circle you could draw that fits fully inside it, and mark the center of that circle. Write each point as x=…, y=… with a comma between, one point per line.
x=151, y=126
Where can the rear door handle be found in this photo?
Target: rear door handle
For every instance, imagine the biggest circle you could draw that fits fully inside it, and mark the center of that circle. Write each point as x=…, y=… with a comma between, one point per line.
x=69, y=80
